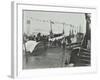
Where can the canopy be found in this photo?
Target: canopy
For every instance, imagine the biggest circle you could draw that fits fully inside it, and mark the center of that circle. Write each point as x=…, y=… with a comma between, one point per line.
x=30, y=45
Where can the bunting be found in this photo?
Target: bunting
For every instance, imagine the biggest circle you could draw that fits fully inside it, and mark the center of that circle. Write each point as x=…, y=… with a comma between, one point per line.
x=72, y=28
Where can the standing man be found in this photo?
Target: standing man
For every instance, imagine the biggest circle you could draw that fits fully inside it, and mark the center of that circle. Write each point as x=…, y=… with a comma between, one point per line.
x=63, y=51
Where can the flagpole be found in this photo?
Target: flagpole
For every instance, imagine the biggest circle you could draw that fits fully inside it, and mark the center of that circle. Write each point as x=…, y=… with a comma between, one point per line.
x=51, y=33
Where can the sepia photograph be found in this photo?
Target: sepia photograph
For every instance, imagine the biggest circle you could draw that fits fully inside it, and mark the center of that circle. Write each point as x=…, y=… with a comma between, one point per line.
x=55, y=39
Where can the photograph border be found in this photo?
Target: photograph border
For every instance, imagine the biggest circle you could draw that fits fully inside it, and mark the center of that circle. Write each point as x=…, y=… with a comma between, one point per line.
x=16, y=40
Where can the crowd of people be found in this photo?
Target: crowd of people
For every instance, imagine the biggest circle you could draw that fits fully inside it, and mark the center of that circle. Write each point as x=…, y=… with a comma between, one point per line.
x=62, y=42
x=37, y=38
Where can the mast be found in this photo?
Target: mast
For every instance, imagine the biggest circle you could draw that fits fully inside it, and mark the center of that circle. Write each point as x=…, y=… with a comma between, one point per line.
x=28, y=26
x=51, y=33
x=63, y=28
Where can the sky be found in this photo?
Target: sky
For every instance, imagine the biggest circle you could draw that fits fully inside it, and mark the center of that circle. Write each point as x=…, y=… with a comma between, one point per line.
x=39, y=21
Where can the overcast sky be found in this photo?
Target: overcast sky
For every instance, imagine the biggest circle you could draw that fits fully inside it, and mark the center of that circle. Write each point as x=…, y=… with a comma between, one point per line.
x=40, y=21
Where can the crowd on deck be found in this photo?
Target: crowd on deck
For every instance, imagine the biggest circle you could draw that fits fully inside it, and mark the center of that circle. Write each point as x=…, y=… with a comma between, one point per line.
x=36, y=38
x=66, y=40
